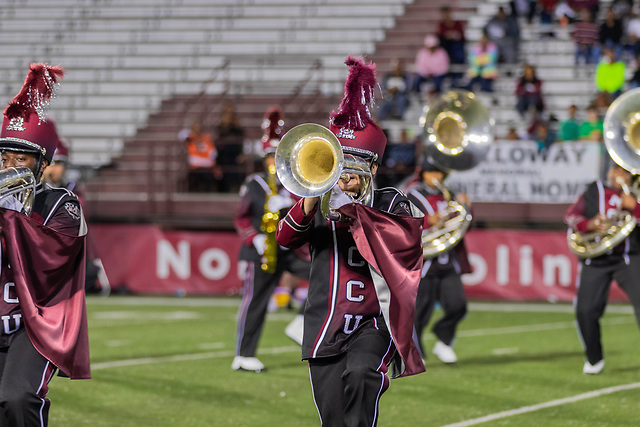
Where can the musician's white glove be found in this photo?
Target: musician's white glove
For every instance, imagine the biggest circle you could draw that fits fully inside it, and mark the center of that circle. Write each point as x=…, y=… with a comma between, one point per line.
x=278, y=202
x=11, y=203
x=260, y=243
x=338, y=198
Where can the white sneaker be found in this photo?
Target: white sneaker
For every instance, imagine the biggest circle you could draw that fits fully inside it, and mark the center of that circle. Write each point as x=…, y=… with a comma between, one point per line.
x=445, y=353
x=295, y=329
x=590, y=369
x=247, y=364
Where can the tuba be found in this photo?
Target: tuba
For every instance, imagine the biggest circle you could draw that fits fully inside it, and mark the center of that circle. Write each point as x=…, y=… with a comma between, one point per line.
x=309, y=162
x=20, y=183
x=457, y=133
x=622, y=141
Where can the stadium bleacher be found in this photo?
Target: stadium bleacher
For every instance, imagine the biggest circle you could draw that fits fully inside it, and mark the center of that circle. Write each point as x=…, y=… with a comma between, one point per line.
x=138, y=71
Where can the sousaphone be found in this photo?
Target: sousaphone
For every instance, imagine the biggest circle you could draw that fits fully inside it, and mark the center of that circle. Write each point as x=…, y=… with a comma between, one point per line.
x=622, y=141
x=457, y=133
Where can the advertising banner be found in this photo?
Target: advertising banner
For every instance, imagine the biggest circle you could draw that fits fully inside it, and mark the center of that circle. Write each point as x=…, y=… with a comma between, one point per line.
x=517, y=172
x=507, y=264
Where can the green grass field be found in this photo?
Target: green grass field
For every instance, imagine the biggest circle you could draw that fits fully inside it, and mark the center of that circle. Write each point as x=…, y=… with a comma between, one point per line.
x=166, y=362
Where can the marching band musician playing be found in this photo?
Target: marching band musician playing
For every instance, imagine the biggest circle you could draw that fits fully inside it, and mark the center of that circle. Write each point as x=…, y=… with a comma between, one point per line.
x=44, y=324
x=365, y=271
x=590, y=213
x=262, y=199
x=440, y=275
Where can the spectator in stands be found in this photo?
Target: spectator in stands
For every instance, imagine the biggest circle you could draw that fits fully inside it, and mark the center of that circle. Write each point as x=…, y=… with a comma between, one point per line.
x=396, y=86
x=399, y=159
x=570, y=128
x=602, y=101
x=512, y=134
x=451, y=35
x=202, y=154
x=529, y=91
x=547, y=9
x=633, y=34
x=564, y=14
x=231, y=159
x=634, y=82
x=592, y=6
x=544, y=135
x=610, y=74
x=483, y=64
x=585, y=37
x=611, y=33
x=504, y=31
x=592, y=128
x=432, y=64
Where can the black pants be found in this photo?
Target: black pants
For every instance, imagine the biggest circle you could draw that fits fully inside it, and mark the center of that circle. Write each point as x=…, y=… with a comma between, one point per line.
x=347, y=388
x=256, y=292
x=446, y=287
x=593, y=291
x=23, y=384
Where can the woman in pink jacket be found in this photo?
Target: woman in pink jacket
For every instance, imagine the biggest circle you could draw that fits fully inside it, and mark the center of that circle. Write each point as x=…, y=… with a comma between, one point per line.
x=432, y=63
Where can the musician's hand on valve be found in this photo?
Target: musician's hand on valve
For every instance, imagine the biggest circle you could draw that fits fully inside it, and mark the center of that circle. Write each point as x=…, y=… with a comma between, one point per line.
x=260, y=243
x=11, y=203
x=338, y=198
x=629, y=202
x=597, y=223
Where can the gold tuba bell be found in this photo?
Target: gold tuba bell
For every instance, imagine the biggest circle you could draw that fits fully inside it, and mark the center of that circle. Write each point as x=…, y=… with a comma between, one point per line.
x=309, y=162
x=622, y=141
x=457, y=132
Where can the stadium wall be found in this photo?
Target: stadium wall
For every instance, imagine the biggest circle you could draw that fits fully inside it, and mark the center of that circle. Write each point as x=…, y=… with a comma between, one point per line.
x=508, y=264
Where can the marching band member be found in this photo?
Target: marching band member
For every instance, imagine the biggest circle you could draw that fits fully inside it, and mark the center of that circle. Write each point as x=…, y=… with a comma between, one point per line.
x=591, y=213
x=440, y=276
x=364, y=274
x=263, y=200
x=44, y=324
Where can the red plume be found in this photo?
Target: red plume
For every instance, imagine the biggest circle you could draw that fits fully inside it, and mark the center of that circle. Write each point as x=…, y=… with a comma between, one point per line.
x=36, y=93
x=353, y=112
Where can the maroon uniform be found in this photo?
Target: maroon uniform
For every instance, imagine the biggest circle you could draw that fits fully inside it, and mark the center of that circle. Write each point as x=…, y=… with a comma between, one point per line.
x=440, y=275
x=58, y=209
x=622, y=264
x=346, y=327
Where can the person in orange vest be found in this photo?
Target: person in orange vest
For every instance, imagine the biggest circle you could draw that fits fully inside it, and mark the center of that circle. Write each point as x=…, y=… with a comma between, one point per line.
x=201, y=154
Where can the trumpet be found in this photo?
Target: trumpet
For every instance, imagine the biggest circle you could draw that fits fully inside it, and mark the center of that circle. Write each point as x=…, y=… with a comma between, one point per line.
x=309, y=162
x=20, y=183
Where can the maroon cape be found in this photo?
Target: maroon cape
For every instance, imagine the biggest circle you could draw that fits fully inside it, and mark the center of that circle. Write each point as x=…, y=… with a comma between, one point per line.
x=391, y=244
x=49, y=269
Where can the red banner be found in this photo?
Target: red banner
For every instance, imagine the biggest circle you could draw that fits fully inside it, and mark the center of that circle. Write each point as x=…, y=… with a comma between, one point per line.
x=508, y=264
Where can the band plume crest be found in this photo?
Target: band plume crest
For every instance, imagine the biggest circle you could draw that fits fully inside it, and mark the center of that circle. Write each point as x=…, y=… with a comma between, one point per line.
x=36, y=92
x=353, y=112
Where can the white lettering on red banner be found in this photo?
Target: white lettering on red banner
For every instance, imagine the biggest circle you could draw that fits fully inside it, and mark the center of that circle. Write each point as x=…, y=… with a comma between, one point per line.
x=507, y=264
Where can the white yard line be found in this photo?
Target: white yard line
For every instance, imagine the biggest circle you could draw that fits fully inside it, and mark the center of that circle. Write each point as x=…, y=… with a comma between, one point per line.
x=278, y=350
x=234, y=302
x=551, y=403
x=536, y=327
x=184, y=357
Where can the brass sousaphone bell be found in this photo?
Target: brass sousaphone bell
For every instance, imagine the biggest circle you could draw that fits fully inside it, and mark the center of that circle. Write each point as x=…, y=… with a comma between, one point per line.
x=457, y=133
x=622, y=141
x=309, y=162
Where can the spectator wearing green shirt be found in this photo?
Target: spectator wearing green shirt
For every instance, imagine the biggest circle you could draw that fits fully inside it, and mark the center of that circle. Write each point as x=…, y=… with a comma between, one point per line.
x=570, y=128
x=610, y=74
x=592, y=128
